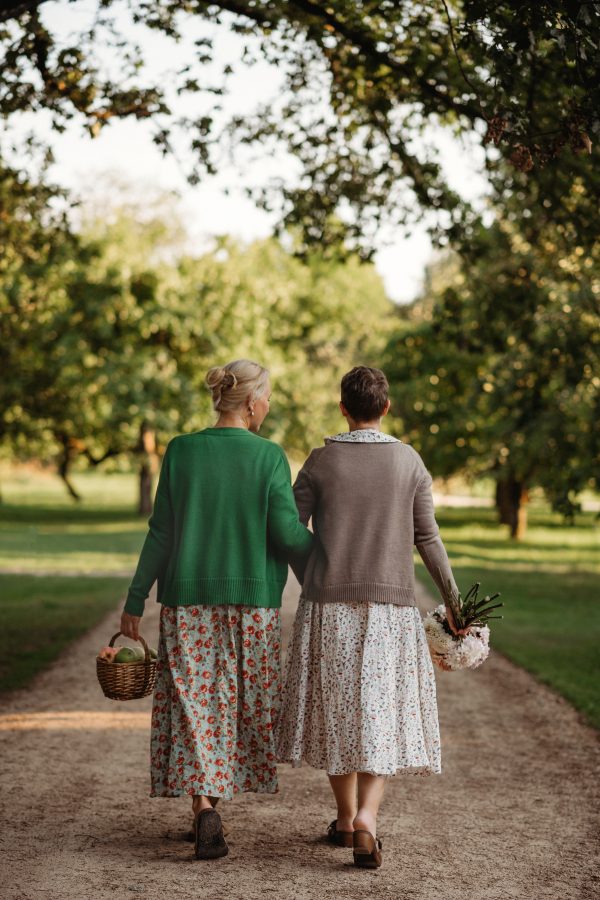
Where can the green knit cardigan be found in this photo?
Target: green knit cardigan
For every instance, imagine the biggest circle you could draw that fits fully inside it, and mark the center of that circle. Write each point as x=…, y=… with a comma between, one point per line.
x=224, y=524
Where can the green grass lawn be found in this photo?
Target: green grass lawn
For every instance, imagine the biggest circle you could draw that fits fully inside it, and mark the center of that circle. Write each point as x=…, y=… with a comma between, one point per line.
x=42, y=530
x=64, y=540
x=41, y=616
x=28, y=486
x=549, y=583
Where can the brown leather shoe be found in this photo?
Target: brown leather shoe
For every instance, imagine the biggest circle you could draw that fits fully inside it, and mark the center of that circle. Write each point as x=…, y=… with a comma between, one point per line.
x=191, y=834
x=366, y=850
x=339, y=838
x=209, y=841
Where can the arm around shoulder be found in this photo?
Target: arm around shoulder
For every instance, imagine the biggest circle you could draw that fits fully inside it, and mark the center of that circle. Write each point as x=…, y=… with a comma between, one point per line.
x=285, y=528
x=304, y=492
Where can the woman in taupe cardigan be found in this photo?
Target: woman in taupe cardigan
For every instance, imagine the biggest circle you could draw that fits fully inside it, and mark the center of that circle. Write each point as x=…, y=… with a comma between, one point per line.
x=360, y=696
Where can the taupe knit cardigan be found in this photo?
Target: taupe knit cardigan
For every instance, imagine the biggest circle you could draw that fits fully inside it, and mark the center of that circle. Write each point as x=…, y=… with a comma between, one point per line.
x=370, y=503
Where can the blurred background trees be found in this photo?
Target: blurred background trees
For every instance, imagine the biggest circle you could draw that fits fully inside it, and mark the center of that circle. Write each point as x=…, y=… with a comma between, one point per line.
x=496, y=368
x=105, y=342
x=363, y=83
x=109, y=321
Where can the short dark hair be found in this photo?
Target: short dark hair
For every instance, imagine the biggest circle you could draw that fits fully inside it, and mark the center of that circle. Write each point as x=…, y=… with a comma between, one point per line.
x=364, y=393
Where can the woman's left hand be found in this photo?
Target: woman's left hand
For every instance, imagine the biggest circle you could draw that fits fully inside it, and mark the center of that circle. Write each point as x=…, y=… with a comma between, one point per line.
x=452, y=623
x=130, y=626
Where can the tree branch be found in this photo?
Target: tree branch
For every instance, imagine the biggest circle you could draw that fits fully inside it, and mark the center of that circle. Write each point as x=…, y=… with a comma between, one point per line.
x=455, y=48
x=369, y=47
x=361, y=39
x=96, y=460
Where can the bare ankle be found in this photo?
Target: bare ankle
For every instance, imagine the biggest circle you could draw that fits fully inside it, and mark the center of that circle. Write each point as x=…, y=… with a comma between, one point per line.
x=199, y=803
x=345, y=822
x=365, y=820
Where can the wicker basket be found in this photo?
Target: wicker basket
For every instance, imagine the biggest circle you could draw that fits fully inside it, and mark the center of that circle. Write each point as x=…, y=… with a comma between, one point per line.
x=127, y=681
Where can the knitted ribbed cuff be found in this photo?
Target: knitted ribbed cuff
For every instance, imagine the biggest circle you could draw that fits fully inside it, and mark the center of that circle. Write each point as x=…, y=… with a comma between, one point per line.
x=134, y=606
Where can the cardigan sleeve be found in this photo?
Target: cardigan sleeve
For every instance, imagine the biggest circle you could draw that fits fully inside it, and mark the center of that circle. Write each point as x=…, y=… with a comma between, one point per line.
x=304, y=493
x=285, y=529
x=157, y=546
x=427, y=537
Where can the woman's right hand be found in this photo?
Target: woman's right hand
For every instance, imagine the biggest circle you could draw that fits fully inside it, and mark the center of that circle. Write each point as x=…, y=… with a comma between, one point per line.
x=130, y=626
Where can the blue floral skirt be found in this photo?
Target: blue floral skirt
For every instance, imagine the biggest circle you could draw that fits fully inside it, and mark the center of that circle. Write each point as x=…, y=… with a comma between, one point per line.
x=215, y=702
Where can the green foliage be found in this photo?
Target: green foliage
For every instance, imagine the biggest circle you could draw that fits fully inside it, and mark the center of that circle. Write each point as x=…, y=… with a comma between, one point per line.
x=83, y=339
x=498, y=372
x=308, y=322
x=105, y=331
x=363, y=82
x=36, y=246
x=470, y=609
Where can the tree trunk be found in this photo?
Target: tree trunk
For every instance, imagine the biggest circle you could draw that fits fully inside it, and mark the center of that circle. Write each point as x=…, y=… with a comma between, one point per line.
x=503, y=502
x=69, y=452
x=519, y=527
x=147, y=447
x=511, y=502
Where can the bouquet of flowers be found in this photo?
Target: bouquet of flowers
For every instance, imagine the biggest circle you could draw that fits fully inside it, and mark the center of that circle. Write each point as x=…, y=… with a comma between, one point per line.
x=467, y=645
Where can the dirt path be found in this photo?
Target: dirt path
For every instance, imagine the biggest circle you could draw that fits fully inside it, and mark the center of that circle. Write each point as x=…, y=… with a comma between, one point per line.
x=515, y=814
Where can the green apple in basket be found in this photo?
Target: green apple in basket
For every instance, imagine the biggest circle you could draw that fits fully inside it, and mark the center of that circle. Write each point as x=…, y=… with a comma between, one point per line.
x=142, y=655
x=128, y=655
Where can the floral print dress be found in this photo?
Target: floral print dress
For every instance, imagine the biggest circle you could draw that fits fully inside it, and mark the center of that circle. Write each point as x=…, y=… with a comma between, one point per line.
x=360, y=691
x=215, y=701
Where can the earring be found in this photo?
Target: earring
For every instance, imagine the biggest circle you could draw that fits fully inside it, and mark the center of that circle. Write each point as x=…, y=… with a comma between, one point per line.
x=251, y=411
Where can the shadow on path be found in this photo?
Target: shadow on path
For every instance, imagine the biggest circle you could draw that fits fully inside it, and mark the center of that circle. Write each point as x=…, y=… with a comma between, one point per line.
x=514, y=814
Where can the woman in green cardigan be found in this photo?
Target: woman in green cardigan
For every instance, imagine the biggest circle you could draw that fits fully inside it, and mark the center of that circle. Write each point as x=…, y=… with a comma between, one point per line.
x=223, y=529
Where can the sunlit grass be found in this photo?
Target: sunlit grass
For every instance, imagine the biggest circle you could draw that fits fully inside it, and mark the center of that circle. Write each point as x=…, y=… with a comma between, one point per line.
x=29, y=486
x=549, y=585
x=41, y=616
x=43, y=530
x=40, y=540
x=549, y=580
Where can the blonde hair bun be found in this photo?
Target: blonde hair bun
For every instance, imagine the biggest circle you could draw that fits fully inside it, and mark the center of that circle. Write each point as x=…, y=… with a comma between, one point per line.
x=230, y=385
x=220, y=377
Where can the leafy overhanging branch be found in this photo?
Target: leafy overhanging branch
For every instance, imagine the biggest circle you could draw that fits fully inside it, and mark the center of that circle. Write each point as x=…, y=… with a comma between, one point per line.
x=527, y=84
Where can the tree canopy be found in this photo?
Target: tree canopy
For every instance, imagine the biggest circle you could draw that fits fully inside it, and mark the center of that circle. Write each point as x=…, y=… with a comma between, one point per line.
x=495, y=369
x=499, y=363
x=103, y=339
x=363, y=84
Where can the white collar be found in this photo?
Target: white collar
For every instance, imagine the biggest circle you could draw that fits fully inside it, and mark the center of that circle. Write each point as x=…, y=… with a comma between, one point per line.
x=363, y=436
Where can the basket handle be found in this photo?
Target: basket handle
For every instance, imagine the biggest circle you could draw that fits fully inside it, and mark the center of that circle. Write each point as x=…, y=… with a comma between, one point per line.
x=147, y=656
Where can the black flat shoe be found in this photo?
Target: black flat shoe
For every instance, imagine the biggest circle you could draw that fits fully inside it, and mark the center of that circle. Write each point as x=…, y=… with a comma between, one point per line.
x=209, y=841
x=191, y=834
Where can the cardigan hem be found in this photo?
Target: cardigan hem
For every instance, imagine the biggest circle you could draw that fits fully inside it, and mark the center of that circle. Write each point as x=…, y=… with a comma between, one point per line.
x=365, y=591
x=214, y=592
x=264, y=602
